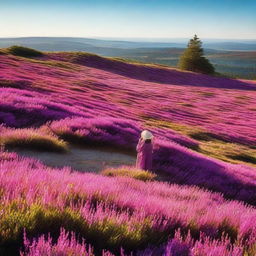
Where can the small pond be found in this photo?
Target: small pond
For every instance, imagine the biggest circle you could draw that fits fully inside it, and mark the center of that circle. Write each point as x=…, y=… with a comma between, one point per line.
x=84, y=159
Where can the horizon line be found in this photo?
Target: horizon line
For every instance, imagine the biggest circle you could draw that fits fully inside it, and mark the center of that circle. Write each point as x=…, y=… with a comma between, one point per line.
x=130, y=38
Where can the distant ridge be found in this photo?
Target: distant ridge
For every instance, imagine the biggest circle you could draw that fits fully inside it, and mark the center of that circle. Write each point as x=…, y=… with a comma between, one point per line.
x=76, y=43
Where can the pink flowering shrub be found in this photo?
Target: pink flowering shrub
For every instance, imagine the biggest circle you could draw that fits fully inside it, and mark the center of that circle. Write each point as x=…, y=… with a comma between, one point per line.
x=65, y=245
x=179, y=246
x=98, y=131
x=113, y=213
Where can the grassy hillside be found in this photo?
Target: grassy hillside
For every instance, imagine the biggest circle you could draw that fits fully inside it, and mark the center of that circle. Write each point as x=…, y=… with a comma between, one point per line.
x=235, y=59
x=204, y=128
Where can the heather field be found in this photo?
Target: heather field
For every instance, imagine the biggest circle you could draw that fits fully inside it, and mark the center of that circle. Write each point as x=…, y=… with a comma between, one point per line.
x=204, y=147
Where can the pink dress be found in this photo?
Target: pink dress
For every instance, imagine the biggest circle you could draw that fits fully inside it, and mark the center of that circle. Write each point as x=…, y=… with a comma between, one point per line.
x=144, y=155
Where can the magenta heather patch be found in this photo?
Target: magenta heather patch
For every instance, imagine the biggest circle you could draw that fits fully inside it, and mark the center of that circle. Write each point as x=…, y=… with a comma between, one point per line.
x=101, y=131
x=179, y=246
x=82, y=98
x=188, y=167
x=94, y=92
x=113, y=103
x=65, y=245
x=122, y=204
x=183, y=165
x=22, y=108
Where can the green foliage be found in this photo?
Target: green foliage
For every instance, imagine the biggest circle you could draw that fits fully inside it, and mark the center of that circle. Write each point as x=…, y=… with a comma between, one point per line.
x=129, y=172
x=38, y=143
x=103, y=232
x=24, y=51
x=203, y=136
x=32, y=139
x=193, y=59
x=228, y=229
x=107, y=233
x=245, y=157
x=36, y=219
x=9, y=83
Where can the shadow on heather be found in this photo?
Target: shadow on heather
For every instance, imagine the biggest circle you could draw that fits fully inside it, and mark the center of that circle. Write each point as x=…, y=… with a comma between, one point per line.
x=153, y=73
x=190, y=168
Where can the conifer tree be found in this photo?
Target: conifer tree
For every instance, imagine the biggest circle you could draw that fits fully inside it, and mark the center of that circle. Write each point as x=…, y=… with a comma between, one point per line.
x=193, y=58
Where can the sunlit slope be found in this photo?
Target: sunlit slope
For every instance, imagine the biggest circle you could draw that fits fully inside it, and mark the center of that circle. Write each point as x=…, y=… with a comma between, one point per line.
x=197, y=120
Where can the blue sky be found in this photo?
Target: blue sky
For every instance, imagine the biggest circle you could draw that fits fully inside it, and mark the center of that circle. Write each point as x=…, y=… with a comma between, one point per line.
x=229, y=19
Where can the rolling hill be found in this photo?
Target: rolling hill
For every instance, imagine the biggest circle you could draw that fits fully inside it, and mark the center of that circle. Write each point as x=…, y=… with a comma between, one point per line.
x=232, y=58
x=204, y=128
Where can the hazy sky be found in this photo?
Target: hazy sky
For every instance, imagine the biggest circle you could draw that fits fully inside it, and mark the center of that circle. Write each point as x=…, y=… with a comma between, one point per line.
x=129, y=18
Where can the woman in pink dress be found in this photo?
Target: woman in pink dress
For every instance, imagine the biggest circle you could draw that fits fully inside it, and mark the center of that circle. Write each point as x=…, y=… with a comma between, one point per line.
x=144, y=151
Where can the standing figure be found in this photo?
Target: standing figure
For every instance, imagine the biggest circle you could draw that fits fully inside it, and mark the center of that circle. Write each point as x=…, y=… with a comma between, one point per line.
x=144, y=151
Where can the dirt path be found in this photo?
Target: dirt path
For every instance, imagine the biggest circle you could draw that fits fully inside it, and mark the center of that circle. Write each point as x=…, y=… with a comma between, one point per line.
x=81, y=159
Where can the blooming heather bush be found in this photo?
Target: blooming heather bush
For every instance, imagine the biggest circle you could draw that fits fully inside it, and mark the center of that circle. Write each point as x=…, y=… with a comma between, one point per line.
x=32, y=138
x=66, y=245
x=179, y=246
x=116, y=131
x=23, y=108
x=7, y=156
x=187, y=167
x=98, y=131
x=129, y=172
x=116, y=212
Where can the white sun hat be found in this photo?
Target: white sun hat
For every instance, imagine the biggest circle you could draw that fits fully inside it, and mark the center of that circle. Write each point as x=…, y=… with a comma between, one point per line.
x=146, y=135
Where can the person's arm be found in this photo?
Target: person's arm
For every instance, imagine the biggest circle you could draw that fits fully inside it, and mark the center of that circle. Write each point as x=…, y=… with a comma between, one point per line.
x=140, y=145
